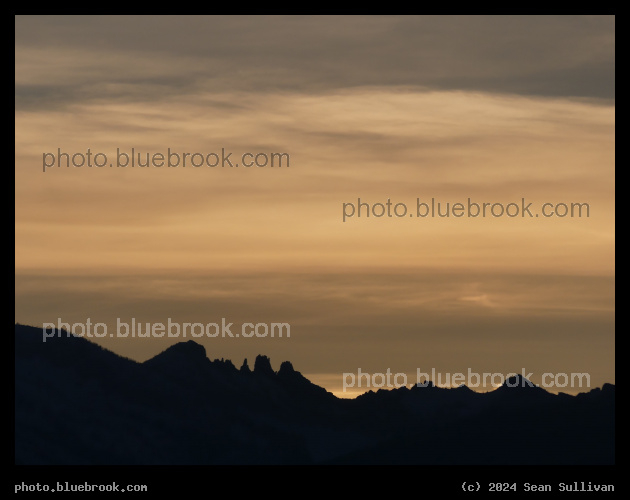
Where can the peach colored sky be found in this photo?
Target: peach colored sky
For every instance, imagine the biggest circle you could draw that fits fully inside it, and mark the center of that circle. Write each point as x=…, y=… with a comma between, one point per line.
x=423, y=114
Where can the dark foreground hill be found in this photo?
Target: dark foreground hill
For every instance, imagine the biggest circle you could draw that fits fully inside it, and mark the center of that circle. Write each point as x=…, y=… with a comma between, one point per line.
x=77, y=403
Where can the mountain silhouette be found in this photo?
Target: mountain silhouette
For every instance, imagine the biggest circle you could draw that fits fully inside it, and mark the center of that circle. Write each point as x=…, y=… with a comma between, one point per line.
x=183, y=355
x=77, y=403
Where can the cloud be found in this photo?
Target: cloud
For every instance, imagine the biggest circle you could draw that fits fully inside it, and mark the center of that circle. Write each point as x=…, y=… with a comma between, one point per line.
x=64, y=59
x=492, y=108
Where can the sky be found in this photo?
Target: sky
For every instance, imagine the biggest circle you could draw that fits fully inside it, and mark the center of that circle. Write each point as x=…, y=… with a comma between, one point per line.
x=459, y=109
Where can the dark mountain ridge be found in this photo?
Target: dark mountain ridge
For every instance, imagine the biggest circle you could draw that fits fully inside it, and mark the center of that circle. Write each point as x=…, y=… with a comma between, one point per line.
x=77, y=403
